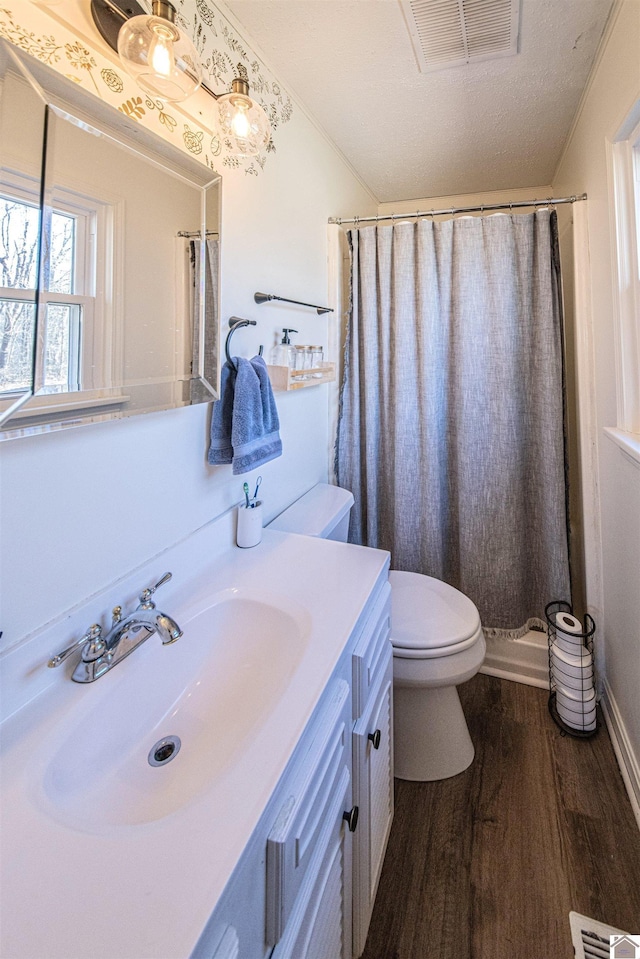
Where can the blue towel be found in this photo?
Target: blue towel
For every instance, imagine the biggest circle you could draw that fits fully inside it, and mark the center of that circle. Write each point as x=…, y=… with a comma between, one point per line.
x=220, y=448
x=254, y=432
x=244, y=424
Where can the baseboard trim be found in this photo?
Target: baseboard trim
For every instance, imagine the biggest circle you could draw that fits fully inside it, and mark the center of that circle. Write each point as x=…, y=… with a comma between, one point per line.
x=524, y=660
x=627, y=760
x=515, y=677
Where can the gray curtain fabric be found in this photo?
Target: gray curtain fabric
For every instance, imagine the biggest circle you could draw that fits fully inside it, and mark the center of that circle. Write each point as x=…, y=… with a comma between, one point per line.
x=199, y=392
x=451, y=428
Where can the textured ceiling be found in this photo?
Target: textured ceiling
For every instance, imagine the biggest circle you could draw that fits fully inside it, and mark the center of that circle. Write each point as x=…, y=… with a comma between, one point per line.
x=488, y=126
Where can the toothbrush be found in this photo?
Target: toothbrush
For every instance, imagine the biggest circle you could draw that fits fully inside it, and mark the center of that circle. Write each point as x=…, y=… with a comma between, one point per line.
x=258, y=481
x=245, y=487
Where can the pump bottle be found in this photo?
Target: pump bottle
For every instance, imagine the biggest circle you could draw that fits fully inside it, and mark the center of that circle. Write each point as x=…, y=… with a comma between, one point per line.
x=280, y=353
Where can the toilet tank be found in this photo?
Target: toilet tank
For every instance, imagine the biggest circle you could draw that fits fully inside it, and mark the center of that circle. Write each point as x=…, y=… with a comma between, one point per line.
x=323, y=511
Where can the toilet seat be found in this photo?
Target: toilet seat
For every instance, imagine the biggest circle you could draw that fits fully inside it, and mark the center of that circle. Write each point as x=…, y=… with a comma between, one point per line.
x=429, y=618
x=402, y=652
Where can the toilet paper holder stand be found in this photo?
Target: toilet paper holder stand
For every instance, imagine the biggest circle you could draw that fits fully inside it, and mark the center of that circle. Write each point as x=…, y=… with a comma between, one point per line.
x=578, y=721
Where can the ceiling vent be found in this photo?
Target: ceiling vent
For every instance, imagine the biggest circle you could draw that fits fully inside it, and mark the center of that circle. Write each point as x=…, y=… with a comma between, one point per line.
x=449, y=33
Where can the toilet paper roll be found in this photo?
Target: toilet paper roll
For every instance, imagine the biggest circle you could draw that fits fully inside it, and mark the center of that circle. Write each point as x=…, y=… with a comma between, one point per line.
x=579, y=713
x=575, y=699
x=568, y=632
x=582, y=680
x=579, y=660
x=582, y=722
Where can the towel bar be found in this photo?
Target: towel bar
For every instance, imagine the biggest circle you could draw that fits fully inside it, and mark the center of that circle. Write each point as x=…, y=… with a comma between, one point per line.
x=265, y=297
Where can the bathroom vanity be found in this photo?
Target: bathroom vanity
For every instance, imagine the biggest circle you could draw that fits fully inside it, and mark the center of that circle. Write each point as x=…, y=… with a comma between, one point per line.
x=264, y=833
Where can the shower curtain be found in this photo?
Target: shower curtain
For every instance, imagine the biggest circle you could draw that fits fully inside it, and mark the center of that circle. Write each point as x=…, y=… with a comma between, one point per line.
x=451, y=427
x=208, y=282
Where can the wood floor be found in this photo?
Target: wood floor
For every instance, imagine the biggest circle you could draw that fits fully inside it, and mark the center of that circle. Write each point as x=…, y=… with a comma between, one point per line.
x=488, y=864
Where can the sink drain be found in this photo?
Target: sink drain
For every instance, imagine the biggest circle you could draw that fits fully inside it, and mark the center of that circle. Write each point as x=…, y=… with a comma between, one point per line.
x=164, y=751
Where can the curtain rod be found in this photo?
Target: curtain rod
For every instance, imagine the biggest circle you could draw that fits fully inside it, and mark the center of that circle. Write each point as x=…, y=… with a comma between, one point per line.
x=450, y=211
x=187, y=233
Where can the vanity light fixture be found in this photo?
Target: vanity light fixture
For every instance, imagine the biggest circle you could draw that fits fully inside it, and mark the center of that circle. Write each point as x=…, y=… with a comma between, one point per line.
x=164, y=63
x=152, y=49
x=243, y=125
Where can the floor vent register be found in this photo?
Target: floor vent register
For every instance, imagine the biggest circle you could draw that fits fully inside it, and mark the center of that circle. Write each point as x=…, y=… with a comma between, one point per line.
x=595, y=940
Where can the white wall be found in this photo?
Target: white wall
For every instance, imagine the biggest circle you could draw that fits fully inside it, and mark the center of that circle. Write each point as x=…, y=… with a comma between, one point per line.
x=614, y=89
x=81, y=507
x=466, y=199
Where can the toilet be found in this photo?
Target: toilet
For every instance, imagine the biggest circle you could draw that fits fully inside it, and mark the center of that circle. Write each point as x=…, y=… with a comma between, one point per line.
x=437, y=641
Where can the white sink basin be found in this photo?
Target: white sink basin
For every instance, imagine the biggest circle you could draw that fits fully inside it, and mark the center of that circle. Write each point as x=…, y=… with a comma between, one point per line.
x=213, y=689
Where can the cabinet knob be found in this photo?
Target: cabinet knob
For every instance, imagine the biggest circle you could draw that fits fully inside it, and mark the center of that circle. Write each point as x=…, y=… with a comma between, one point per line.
x=351, y=818
x=375, y=738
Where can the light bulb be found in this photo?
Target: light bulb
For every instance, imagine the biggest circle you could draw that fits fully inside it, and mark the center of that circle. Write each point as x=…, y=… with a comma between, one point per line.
x=240, y=123
x=161, y=55
x=243, y=125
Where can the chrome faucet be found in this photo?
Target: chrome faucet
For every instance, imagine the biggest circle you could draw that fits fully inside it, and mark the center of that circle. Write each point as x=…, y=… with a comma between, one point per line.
x=99, y=655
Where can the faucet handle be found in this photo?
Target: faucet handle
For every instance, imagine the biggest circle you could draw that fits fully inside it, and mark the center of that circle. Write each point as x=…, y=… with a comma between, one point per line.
x=146, y=594
x=93, y=641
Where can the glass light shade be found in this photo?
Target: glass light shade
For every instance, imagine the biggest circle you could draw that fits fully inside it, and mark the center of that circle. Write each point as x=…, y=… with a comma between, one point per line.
x=243, y=125
x=160, y=58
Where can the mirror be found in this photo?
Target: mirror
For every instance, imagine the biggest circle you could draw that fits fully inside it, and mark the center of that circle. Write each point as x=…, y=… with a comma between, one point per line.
x=127, y=285
x=22, y=122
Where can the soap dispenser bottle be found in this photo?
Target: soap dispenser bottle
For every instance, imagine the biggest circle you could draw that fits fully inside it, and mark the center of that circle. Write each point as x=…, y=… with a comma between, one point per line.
x=280, y=353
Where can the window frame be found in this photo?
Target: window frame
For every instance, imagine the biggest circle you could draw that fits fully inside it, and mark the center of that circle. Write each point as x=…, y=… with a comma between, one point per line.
x=624, y=166
x=98, y=345
x=23, y=190
x=84, y=353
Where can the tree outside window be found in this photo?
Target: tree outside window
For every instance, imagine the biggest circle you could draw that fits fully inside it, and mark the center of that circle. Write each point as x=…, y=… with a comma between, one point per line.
x=19, y=225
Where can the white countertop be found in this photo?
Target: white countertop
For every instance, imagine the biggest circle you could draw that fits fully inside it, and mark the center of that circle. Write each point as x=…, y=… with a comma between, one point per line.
x=147, y=890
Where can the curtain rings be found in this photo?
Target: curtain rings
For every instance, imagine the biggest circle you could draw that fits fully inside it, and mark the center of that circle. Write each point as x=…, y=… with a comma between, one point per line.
x=356, y=222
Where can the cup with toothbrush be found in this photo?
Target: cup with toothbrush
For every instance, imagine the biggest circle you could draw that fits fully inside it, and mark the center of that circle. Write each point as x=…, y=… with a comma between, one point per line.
x=249, y=530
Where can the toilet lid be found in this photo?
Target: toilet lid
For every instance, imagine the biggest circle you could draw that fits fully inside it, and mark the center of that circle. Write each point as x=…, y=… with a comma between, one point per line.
x=428, y=614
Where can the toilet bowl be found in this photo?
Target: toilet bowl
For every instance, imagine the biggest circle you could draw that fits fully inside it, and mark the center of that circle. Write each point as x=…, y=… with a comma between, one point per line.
x=437, y=644
x=437, y=641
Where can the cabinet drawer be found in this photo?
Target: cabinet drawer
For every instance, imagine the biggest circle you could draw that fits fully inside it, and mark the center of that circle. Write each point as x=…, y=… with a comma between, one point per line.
x=371, y=651
x=299, y=825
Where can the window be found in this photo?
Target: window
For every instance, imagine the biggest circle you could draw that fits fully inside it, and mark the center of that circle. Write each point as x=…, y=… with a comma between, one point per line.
x=68, y=296
x=69, y=231
x=63, y=319
x=625, y=165
x=19, y=225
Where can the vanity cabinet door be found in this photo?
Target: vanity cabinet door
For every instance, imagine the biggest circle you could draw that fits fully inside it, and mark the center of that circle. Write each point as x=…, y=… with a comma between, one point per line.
x=370, y=651
x=300, y=832
x=320, y=924
x=228, y=946
x=373, y=793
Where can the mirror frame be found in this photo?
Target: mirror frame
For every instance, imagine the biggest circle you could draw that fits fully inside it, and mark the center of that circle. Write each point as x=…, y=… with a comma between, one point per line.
x=65, y=99
x=17, y=60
